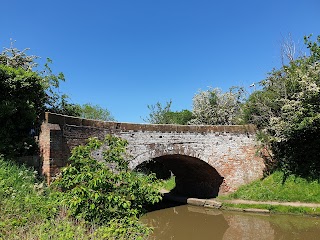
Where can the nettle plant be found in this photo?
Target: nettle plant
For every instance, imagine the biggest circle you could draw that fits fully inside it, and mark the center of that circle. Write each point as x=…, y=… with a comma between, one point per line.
x=101, y=191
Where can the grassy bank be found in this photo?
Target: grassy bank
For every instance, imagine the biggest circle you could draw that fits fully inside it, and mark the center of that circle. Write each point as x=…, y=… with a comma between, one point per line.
x=277, y=189
x=274, y=188
x=31, y=210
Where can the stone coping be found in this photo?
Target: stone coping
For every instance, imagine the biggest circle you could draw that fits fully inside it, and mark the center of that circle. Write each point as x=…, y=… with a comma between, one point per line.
x=62, y=120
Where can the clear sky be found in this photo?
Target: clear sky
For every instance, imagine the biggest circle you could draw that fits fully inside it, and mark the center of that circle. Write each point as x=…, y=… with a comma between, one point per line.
x=126, y=54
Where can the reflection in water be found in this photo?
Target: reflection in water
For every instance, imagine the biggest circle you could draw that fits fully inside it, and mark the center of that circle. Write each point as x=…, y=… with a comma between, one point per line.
x=189, y=222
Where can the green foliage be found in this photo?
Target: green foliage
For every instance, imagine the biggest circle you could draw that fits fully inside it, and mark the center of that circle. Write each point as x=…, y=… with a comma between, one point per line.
x=64, y=228
x=99, y=191
x=96, y=112
x=287, y=111
x=278, y=187
x=30, y=210
x=62, y=106
x=25, y=94
x=158, y=113
x=24, y=200
x=170, y=183
x=163, y=115
x=15, y=58
x=125, y=228
x=22, y=101
x=60, y=228
x=182, y=117
x=275, y=209
x=213, y=107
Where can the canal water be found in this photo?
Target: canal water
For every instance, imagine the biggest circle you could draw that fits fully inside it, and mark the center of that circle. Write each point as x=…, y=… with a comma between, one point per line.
x=199, y=223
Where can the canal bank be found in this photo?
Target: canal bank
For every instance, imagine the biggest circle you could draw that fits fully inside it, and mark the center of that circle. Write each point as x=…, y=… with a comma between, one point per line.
x=248, y=205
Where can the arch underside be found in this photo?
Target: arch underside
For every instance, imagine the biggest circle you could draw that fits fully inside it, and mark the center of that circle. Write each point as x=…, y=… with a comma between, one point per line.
x=194, y=177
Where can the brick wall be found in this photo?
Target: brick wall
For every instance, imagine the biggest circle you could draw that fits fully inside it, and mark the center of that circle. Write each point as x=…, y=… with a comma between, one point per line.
x=229, y=150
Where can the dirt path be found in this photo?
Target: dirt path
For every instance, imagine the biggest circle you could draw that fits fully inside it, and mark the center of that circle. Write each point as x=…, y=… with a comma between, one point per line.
x=293, y=204
x=202, y=202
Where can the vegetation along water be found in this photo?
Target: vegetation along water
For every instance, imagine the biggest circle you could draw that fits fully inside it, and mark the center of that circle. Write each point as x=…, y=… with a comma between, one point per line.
x=104, y=199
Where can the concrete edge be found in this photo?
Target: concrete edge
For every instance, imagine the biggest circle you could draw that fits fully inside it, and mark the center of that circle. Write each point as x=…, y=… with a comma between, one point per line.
x=209, y=203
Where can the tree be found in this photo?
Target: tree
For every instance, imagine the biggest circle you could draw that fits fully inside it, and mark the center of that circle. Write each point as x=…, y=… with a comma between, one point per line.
x=54, y=101
x=91, y=111
x=213, y=107
x=158, y=113
x=22, y=101
x=16, y=58
x=25, y=94
x=50, y=82
x=182, y=117
x=163, y=115
x=287, y=111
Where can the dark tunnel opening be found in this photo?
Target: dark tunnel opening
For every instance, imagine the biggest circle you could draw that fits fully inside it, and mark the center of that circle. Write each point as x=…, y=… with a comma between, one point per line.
x=193, y=177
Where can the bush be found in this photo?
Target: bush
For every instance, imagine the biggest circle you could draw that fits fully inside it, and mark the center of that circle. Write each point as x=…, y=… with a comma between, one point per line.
x=101, y=191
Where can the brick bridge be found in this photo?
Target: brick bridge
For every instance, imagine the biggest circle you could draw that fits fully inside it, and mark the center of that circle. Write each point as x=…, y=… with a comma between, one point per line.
x=206, y=160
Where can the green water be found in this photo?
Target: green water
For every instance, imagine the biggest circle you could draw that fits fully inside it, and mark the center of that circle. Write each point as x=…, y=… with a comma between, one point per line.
x=189, y=222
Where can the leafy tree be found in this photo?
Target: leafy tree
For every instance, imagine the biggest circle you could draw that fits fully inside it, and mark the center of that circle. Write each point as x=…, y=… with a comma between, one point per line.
x=50, y=82
x=54, y=101
x=91, y=111
x=213, y=107
x=106, y=191
x=287, y=110
x=26, y=92
x=22, y=101
x=163, y=115
x=158, y=113
x=182, y=117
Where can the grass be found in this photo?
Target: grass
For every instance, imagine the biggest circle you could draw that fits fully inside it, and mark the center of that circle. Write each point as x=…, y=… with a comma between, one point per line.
x=272, y=188
x=28, y=210
x=275, y=208
x=170, y=183
x=23, y=199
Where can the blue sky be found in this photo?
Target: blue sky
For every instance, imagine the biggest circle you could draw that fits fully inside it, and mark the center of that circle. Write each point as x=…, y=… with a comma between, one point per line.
x=124, y=55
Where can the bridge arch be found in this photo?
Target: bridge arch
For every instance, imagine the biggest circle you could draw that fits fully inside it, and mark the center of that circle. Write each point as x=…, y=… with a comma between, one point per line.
x=225, y=151
x=194, y=177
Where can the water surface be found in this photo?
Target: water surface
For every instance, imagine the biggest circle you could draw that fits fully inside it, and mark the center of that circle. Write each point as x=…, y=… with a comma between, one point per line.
x=190, y=222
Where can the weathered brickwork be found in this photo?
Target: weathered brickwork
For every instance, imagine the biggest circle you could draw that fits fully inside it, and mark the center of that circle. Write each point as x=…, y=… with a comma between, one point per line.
x=202, y=157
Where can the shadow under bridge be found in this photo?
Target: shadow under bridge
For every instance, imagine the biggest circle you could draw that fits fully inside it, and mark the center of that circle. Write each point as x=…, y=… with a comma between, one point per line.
x=193, y=177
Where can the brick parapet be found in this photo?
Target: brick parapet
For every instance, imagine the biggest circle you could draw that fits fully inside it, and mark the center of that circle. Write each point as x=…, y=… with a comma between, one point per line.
x=62, y=120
